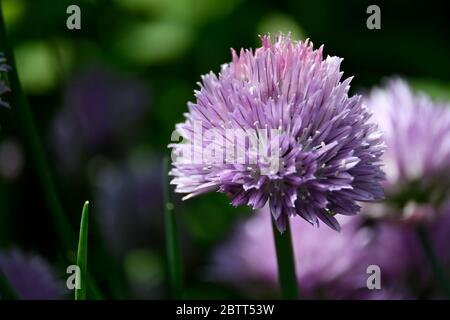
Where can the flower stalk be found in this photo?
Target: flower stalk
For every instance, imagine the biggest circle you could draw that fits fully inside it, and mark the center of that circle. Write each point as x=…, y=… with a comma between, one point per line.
x=286, y=264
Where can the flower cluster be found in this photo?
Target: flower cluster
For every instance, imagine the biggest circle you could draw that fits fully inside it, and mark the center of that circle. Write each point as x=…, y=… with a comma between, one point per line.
x=328, y=150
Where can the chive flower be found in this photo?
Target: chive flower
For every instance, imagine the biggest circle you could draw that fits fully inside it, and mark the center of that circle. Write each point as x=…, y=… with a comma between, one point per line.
x=278, y=126
x=417, y=158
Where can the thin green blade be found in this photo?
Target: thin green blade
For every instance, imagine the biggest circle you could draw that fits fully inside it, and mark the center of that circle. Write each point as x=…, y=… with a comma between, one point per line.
x=80, y=294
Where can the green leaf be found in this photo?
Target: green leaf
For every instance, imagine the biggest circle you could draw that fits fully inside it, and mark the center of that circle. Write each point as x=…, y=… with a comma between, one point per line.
x=80, y=294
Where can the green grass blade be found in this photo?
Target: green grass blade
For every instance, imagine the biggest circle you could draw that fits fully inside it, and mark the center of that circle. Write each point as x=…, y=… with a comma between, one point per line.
x=7, y=292
x=172, y=245
x=80, y=294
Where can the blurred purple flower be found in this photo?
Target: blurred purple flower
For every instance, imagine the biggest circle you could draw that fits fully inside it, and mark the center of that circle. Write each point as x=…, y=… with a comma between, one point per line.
x=329, y=265
x=3, y=87
x=417, y=159
x=12, y=159
x=30, y=276
x=129, y=203
x=100, y=113
x=327, y=152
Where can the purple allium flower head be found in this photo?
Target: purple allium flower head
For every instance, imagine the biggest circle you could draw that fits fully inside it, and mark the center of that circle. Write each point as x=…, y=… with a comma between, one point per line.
x=290, y=102
x=3, y=87
x=417, y=159
x=30, y=276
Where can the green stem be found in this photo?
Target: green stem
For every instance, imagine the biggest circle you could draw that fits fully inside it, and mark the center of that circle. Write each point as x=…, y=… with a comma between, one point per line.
x=80, y=294
x=286, y=263
x=7, y=292
x=30, y=134
x=172, y=245
x=428, y=250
